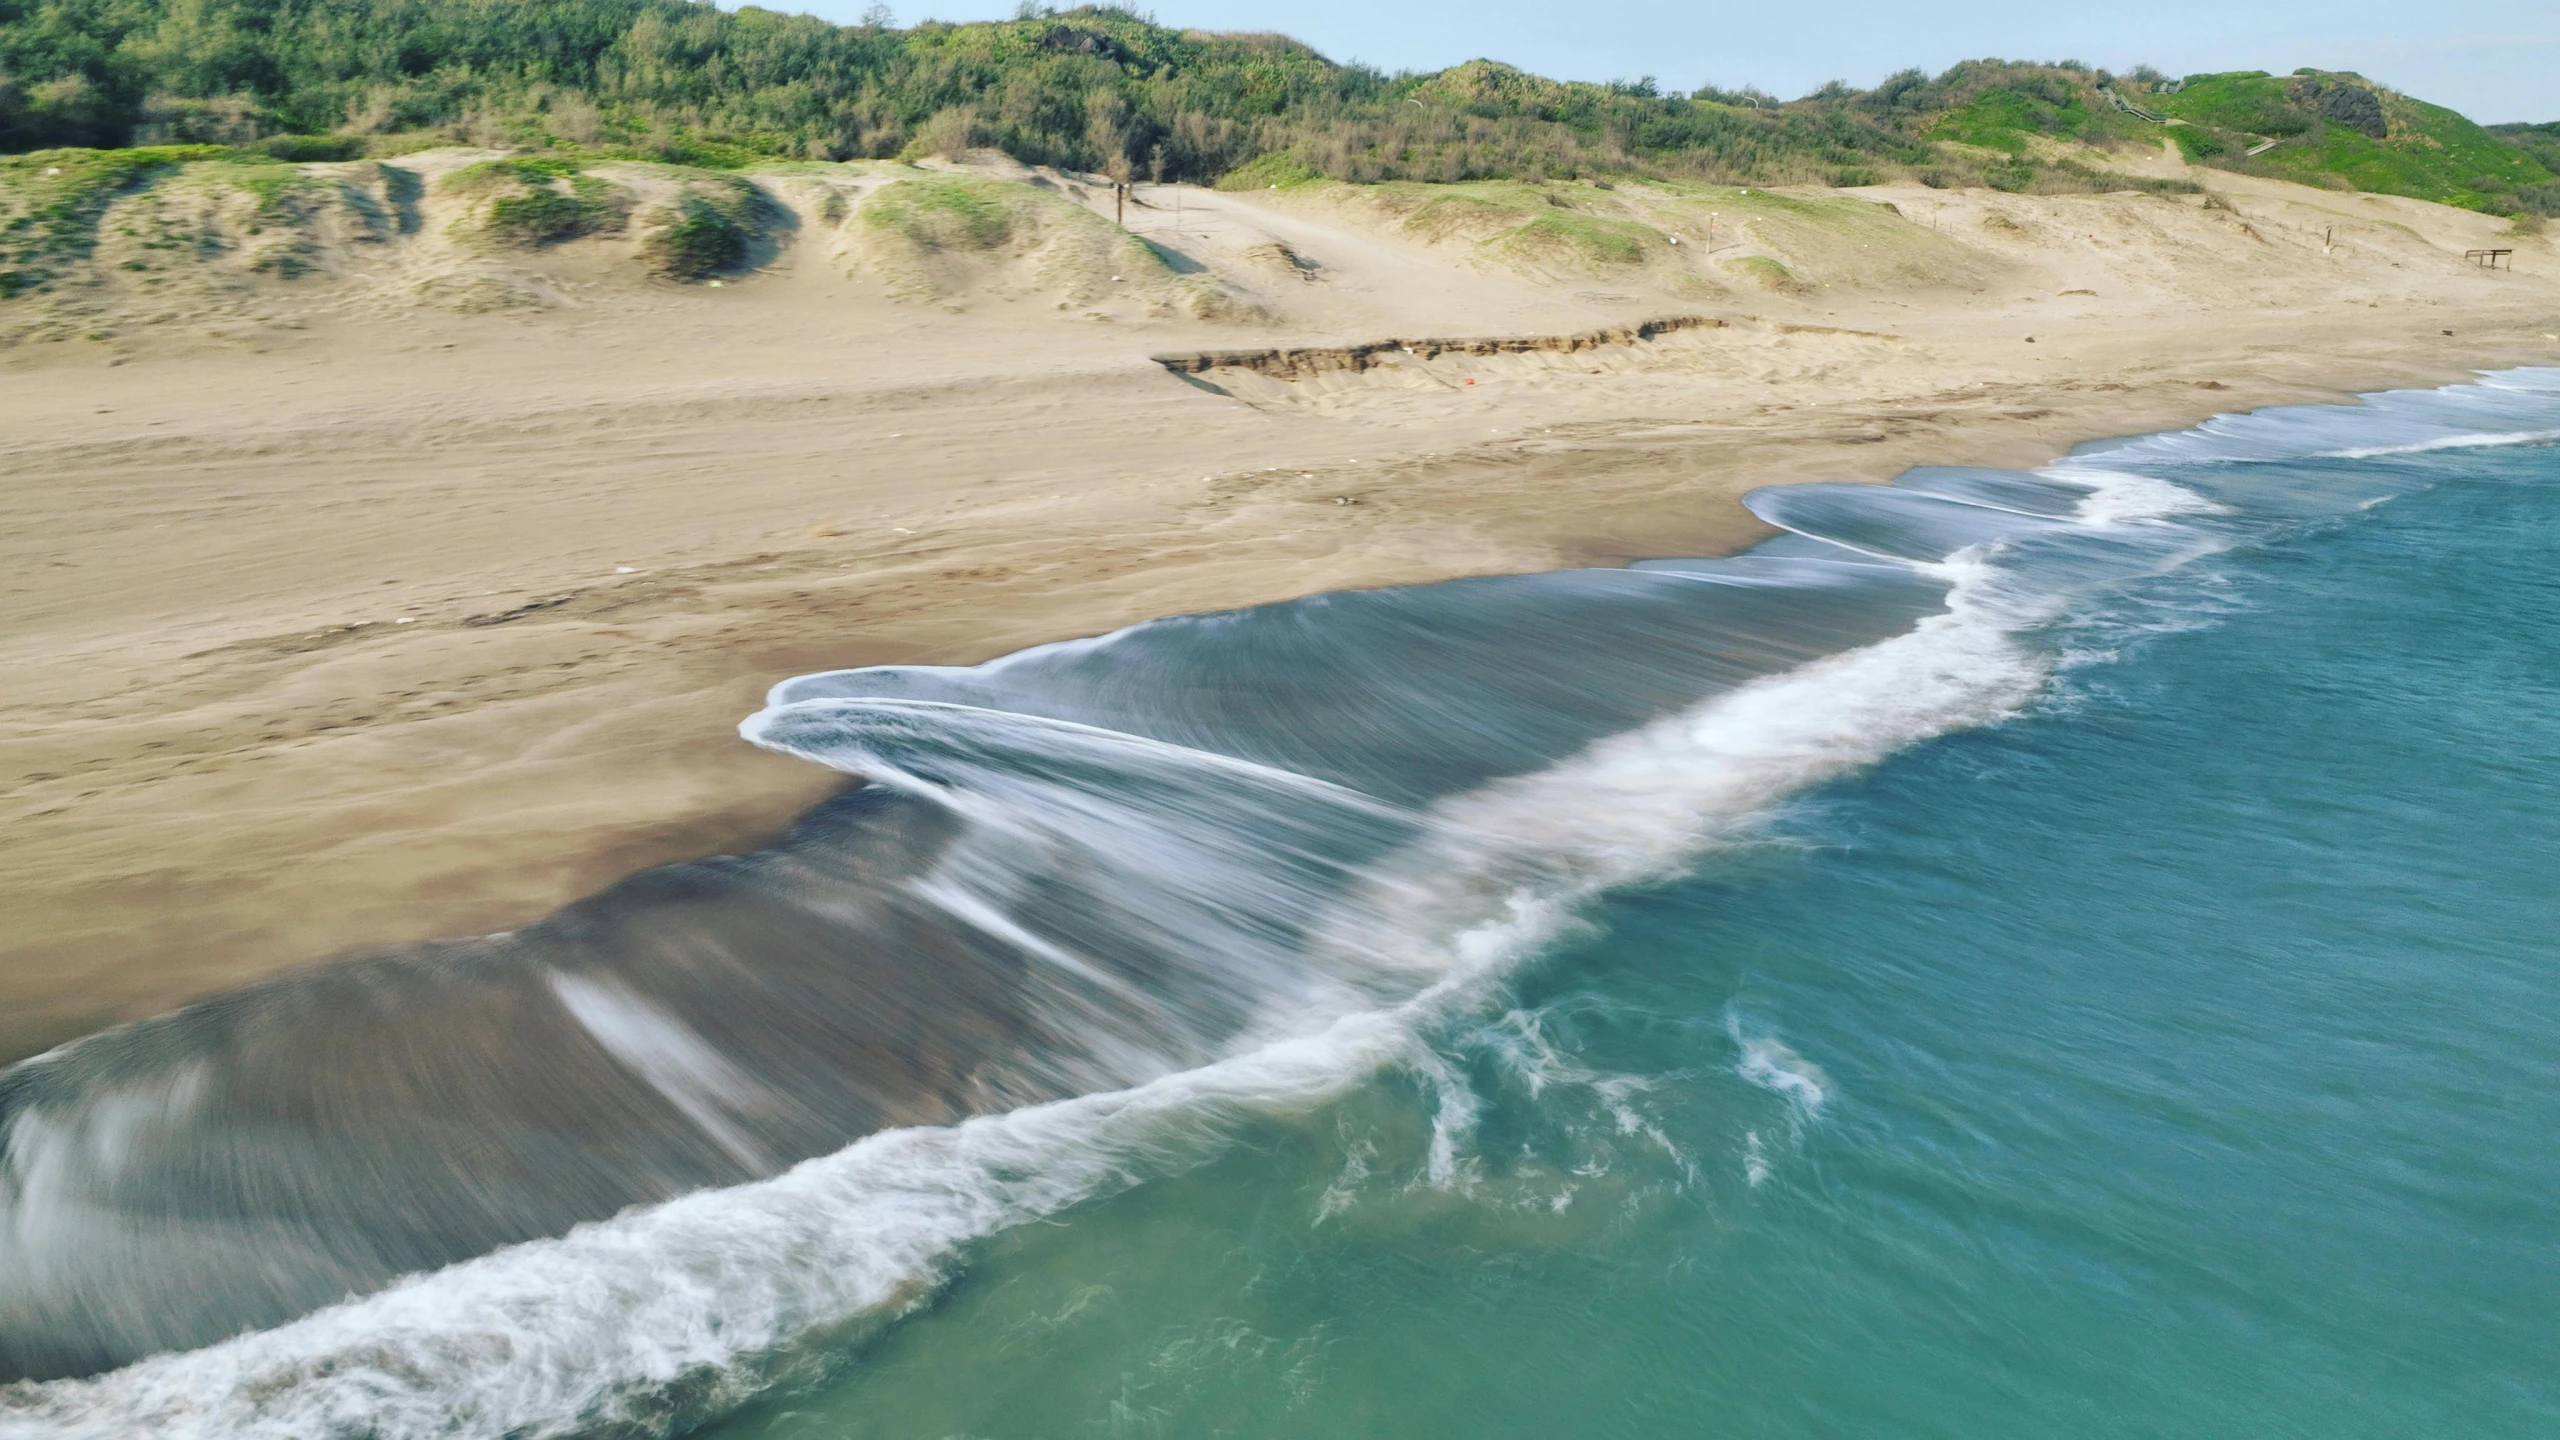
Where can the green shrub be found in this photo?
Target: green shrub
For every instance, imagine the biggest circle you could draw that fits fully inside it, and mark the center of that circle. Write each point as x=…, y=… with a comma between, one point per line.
x=483, y=176
x=943, y=213
x=1101, y=88
x=2341, y=130
x=710, y=229
x=275, y=184
x=1278, y=170
x=304, y=149
x=1586, y=239
x=538, y=217
x=2198, y=145
x=537, y=200
x=50, y=201
x=2541, y=142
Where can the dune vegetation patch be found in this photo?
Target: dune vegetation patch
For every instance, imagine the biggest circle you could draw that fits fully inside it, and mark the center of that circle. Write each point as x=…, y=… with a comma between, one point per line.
x=1763, y=271
x=1668, y=233
x=1466, y=218
x=64, y=212
x=275, y=231
x=710, y=225
x=933, y=236
x=1584, y=242
x=526, y=202
x=2338, y=129
x=948, y=213
x=1820, y=238
x=1275, y=171
x=91, y=241
x=51, y=202
x=941, y=237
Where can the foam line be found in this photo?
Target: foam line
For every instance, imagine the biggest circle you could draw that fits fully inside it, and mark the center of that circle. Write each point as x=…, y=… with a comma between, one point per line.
x=1378, y=921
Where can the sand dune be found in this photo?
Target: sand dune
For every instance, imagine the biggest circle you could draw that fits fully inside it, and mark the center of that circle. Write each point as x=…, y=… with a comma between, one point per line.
x=389, y=564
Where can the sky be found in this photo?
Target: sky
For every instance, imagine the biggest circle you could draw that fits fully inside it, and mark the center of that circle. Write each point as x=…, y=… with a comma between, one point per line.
x=2493, y=63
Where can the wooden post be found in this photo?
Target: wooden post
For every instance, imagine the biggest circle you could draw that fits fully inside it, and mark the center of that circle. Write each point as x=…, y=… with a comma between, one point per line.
x=1120, y=203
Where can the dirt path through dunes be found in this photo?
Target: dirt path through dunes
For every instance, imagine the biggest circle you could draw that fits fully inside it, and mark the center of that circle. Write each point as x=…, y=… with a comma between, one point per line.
x=413, y=623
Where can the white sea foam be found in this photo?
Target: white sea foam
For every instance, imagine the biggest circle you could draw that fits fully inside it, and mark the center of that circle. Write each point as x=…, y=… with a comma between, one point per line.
x=1755, y=1160
x=591, y=1330
x=714, y=1296
x=2444, y=442
x=1781, y=1071
x=2120, y=496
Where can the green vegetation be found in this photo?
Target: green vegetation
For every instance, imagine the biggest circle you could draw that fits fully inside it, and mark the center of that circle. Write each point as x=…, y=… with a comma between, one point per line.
x=536, y=200
x=1588, y=240
x=1275, y=171
x=1763, y=271
x=945, y=213
x=2056, y=104
x=50, y=202
x=1102, y=89
x=1096, y=88
x=711, y=228
x=308, y=149
x=940, y=237
x=2542, y=142
x=276, y=185
x=2339, y=129
x=2200, y=146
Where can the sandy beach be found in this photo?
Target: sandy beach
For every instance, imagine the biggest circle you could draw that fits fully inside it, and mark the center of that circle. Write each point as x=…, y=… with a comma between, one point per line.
x=338, y=619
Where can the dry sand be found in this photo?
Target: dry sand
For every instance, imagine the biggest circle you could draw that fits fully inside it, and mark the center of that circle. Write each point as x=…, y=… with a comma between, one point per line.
x=333, y=619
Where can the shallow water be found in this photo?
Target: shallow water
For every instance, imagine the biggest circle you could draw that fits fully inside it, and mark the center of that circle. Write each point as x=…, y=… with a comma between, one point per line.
x=1544, y=1012
x=2178, y=1058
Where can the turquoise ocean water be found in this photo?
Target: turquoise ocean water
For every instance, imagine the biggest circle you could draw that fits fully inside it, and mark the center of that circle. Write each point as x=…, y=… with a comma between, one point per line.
x=2180, y=1057
x=2022, y=955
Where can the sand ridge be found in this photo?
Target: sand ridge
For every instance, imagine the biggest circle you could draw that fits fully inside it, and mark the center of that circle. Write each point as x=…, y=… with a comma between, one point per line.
x=347, y=617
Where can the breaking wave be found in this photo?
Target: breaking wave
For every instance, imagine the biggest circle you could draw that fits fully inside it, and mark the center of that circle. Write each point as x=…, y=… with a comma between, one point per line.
x=1095, y=908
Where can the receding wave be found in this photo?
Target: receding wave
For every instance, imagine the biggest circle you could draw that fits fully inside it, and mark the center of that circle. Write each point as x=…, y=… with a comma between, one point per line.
x=1094, y=907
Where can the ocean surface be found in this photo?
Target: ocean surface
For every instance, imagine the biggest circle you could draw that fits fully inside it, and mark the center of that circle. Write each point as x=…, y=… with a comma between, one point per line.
x=2023, y=954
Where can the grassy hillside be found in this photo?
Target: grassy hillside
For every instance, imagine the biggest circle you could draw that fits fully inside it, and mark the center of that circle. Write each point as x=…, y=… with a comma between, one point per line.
x=1092, y=88
x=1102, y=89
x=2337, y=128
x=2542, y=142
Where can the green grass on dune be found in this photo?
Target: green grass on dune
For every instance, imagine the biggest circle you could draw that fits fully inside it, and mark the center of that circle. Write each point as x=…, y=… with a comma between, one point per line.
x=1095, y=88
x=946, y=212
x=1588, y=241
x=1764, y=271
x=537, y=200
x=710, y=229
x=2337, y=129
x=2542, y=142
x=51, y=200
x=2004, y=117
x=1104, y=89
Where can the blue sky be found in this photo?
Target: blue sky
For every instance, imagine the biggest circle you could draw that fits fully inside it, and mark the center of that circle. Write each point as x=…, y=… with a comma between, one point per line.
x=2492, y=62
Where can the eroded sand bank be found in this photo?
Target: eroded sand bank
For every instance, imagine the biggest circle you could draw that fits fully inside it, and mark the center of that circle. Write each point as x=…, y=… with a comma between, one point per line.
x=336, y=618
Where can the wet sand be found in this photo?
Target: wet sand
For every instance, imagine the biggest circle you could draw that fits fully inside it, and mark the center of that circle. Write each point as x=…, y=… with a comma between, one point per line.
x=354, y=629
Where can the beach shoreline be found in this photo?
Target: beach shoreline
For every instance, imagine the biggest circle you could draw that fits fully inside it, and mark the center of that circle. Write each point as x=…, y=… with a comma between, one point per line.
x=342, y=637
